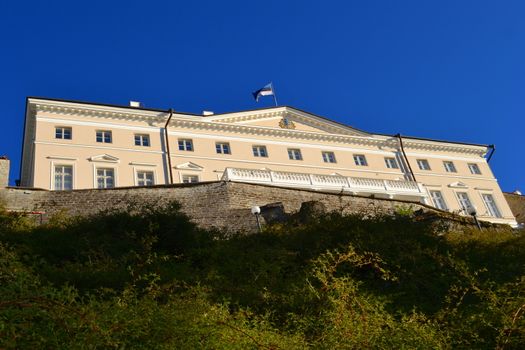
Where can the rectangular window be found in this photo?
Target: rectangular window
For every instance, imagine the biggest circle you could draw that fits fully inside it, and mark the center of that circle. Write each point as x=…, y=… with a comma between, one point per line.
x=259, y=151
x=439, y=201
x=63, y=177
x=105, y=178
x=474, y=169
x=222, y=148
x=185, y=145
x=188, y=179
x=329, y=157
x=491, y=205
x=449, y=167
x=464, y=201
x=295, y=154
x=62, y=133
x=391, y=163
x=142, y=140
x=145, y=178
x=360, y=160
x=104, y=136
x=423, y=164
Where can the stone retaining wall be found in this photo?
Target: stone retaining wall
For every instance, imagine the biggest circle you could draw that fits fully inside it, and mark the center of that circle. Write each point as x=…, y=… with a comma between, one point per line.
x=517, y=206
x=210, y=204
x=4, y=171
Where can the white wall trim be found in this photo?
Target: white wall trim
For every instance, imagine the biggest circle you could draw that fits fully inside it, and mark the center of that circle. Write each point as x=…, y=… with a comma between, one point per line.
x=457, y=176
x=262, y=163
x=98, y=147
x=142, y=164
x=61, y=158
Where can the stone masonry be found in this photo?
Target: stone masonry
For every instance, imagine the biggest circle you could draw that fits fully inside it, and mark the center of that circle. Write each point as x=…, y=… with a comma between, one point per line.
x=217, y=204
x=4, y=171
x=517, y=205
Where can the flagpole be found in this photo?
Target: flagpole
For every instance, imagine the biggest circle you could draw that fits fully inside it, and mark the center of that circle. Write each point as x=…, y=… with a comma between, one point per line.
x=274, y=95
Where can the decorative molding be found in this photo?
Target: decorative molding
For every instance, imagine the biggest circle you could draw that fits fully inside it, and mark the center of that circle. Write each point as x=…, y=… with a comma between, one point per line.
x=340, y=134
x=97, y=147
x=96, y=111
x=104, y=158
x=142, y=164
x=458, y=184
x=189, y=166
x=61, y=158
x=286, y=123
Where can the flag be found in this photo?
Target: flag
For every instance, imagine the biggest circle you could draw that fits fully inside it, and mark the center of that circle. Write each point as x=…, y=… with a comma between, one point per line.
x=265, y=91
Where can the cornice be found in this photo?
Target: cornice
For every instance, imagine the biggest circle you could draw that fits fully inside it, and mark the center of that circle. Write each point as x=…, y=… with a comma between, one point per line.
x=85, y=110
x=226, y=123
x=444, y=147
x=277, y=132
x=308, y=119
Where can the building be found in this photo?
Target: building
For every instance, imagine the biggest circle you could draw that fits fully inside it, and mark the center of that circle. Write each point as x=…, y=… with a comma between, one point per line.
x=77, y=145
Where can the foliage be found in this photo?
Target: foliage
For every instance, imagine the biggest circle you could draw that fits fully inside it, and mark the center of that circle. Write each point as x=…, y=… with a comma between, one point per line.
x=146, y=277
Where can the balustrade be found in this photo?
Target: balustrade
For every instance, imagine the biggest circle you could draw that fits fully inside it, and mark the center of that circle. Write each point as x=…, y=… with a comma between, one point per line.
x=316, y=181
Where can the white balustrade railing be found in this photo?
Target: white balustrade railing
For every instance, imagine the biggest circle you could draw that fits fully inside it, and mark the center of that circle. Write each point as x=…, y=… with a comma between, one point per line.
x=315, y=181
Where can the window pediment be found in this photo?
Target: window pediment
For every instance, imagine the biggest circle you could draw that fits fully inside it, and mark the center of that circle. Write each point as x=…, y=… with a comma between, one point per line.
x=458, y=184
x=104, y=158
x=189, y=166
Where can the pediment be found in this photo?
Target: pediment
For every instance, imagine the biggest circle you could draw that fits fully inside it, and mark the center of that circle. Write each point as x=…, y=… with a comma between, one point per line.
x=106, y=158
x=189, y=166
x=458, y=184
x=288, y=118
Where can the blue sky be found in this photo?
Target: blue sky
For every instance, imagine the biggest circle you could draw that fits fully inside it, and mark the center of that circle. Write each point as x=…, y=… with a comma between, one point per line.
x=451, y=70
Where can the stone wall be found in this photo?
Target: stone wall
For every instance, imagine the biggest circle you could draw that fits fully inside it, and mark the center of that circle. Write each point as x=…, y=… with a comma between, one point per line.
x=209, y=204
x=4, y=171
x=517, y=206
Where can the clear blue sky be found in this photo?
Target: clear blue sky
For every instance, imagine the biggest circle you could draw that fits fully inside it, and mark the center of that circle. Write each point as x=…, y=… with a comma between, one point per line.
x=451, y=70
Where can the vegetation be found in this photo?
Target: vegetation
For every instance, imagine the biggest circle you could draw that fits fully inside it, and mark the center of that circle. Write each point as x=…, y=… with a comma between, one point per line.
x=148, y=278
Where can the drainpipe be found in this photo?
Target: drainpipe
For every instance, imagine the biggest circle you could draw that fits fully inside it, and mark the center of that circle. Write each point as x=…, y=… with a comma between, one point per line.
x=168, y=145
x=493, y=149
x=405, y=156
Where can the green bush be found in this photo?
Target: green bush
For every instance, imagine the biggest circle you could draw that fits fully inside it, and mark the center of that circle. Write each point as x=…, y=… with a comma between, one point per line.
x=146, y=277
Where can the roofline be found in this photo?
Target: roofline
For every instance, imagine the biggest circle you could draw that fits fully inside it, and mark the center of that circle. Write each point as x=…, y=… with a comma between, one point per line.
x=102, y=104
x=253, y=110
x=437, y=140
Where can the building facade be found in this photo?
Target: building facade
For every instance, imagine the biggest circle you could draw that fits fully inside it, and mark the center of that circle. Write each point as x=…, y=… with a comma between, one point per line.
x=77, y=145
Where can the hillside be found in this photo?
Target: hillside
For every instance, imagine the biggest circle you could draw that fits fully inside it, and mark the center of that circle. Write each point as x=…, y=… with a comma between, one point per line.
x=146, y=277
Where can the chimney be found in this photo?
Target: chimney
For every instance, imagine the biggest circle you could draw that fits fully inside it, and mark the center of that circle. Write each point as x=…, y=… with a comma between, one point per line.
x=207, y=113
x=135, y=104
x=4, y=171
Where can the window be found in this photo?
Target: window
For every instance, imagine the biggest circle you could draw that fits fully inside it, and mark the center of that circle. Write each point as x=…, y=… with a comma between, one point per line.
x=63, y=177
x=439, y=201
x=464, y=201
x=145, y=178
x=259, y=151
x=360, y=159
x=222, y=148
x=329, y=157
x=105, y=178
x=491, y=205
x=423, y=164
x=474, y=169
x=391, y=163
x=188, y=179
x=104, y=136
x=185, y=145
x=294, y=154
x=142, y=140
x=449, y=167
x=62, y=133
